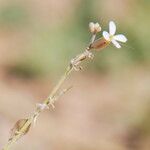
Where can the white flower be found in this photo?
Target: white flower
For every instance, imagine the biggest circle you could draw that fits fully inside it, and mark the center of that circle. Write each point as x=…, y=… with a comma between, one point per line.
x=111, y=37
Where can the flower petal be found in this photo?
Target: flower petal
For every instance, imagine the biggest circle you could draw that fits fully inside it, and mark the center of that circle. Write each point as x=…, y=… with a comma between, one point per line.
x=112, y=28
x=120, y=37
x=106, y=35
x=116, y=43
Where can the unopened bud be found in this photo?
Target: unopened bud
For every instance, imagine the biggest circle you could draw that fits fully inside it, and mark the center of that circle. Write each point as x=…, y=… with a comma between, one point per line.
x=97, y=27
x=94, y=27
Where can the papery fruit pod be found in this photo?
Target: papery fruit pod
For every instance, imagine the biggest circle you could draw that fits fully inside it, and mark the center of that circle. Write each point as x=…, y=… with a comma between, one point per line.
x=99, y=44
x=18, y=128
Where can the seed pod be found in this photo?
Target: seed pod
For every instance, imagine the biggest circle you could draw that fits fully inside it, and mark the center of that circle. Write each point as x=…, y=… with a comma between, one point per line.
x=100, y=43
x=18, y=126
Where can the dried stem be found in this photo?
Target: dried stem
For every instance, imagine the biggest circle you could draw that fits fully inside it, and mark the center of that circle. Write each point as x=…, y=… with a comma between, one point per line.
x=23, y=125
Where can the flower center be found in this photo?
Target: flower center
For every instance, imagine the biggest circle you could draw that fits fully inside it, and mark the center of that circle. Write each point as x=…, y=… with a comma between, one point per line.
x=111, y=37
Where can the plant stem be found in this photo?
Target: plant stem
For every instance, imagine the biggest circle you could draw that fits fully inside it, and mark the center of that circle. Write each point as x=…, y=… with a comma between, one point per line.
x=49, y=100
x=23, y=129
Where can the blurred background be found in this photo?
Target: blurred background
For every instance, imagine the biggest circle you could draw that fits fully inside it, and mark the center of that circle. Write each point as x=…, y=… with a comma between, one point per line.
x=109, y=105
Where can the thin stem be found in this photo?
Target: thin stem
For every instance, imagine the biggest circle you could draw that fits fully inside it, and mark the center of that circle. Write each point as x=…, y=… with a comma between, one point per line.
x=49, y=100
x=57, y=87
x=23, y=129
x=92, y=39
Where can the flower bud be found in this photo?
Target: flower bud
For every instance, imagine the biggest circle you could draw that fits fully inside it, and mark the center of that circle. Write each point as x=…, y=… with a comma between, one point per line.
x=94, y=27
x=97, y=27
